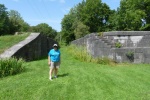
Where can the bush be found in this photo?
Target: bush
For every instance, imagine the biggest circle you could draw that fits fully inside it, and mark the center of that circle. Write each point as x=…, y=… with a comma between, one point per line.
x=11, y=66
x=130, y=55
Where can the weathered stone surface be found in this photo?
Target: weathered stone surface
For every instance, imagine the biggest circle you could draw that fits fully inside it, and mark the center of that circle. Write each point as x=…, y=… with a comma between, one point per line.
x=126, y=33
x=136, y=42
x=33, y=47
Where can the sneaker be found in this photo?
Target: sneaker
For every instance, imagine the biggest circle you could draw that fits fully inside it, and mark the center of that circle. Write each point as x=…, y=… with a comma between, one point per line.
x=50, y=79
x=55, y=76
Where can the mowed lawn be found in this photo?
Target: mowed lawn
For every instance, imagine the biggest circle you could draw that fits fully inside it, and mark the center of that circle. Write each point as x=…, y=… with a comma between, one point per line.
x=78, y=81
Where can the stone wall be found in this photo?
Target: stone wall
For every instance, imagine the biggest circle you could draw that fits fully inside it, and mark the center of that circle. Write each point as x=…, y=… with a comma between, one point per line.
x=135, y=43
x=128, y=38
x=33, y=47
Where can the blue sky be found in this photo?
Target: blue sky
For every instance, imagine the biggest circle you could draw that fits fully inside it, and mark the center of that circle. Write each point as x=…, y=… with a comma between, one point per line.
x=51, y=12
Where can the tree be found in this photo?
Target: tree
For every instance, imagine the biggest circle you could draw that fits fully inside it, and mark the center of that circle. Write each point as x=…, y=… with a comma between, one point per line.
x=25, y=27
x=67, y=29
x=45, y=29
x=132, y=15
x=16, y=21
x=145, y=7
x=80, y=29
x=88, y=16
x=95, y=15
x=112, y=21
x=4, y=21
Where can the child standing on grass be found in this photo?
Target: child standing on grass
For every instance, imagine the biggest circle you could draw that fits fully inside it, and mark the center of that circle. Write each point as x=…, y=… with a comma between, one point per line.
x=54, y=61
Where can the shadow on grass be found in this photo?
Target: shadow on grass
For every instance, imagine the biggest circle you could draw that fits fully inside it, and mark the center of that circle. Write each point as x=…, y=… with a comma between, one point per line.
x=63, y=75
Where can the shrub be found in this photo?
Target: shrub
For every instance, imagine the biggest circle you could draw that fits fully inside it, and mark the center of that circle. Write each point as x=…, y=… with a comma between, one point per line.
x=11, y=66
x=130, y=55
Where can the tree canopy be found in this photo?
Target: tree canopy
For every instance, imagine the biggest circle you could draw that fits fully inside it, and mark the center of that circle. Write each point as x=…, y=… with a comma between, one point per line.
x=45, y=29
x=131, y=15
x=4, y=20
x=11, y=22
x=86, y=17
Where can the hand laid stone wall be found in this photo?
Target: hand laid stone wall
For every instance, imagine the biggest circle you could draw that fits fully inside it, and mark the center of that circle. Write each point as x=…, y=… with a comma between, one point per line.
x=33, y=47
x=135, y=45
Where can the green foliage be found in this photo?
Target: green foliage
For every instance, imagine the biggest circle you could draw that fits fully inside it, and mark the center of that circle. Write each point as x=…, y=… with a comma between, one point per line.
x=45, y=29
x=132, y=15
x=4, y=20
x=15, y=20
x=81, y=54
x=118, y=45
x=12, y=22
x=95, y=15
x=86, y=17
x=130, y=55
x=145, y=27
x=11, y=66
x=100, y=34
x=67, y=27
x=80, y=30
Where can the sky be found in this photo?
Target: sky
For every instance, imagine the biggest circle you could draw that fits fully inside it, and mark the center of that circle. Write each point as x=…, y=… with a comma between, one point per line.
x=51, y=12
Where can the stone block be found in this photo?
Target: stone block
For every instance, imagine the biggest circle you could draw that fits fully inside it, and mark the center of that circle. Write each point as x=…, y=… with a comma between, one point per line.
x=138, y=58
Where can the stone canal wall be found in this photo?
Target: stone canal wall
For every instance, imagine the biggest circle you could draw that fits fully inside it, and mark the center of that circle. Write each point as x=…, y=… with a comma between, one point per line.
x=33, y=47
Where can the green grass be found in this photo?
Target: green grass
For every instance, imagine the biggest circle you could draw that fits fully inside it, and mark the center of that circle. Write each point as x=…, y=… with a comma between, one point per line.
x=78, y=81
x=10, y=40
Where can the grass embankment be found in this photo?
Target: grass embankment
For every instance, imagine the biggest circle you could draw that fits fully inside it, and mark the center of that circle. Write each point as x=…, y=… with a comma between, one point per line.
x=78, y=81
x=10, y=40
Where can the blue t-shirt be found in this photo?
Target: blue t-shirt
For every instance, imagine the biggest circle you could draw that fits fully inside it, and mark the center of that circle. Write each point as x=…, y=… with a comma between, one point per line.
x=54, y=55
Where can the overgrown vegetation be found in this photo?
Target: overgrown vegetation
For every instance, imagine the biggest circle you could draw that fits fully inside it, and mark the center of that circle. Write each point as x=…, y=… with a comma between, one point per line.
x=130, y=55
x=100, y=34
x=9, y=40
x=118, y=45
x=81, y=54
x=11, y=66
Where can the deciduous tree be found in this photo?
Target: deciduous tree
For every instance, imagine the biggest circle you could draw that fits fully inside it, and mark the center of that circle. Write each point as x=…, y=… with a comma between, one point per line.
x=4, y=20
